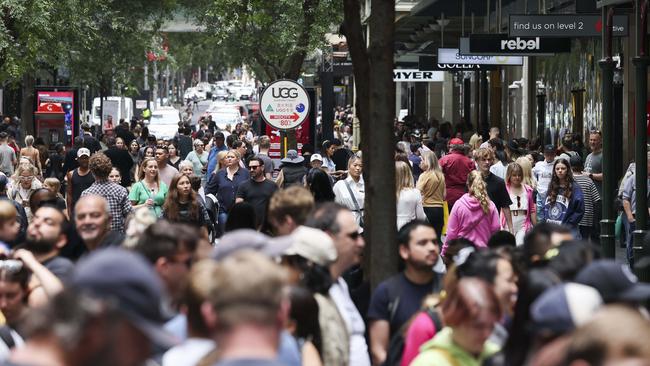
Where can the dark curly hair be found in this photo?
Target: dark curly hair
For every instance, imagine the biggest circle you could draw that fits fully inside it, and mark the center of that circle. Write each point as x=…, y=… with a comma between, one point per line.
x=555, y=185
x=100, y=165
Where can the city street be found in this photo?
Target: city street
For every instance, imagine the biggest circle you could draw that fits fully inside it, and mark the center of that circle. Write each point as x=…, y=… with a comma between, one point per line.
x=361, y=183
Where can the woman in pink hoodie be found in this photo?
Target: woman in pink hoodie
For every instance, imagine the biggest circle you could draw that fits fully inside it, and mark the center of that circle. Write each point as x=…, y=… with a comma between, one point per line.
x=473, y=216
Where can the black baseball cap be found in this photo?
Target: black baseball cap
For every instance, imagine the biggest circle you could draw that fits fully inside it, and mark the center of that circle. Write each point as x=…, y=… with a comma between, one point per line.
x=615, y=282
x=128, y=280
x=549, y=148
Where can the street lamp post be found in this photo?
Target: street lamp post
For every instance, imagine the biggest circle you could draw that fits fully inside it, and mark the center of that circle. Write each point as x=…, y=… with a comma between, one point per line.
x=607, y=224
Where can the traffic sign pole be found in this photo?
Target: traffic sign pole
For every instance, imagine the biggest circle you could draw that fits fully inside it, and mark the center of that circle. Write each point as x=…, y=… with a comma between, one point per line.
x=285, y=105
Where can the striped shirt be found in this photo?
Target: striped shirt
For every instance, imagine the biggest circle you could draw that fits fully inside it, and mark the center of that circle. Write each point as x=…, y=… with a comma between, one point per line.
x=591, y=197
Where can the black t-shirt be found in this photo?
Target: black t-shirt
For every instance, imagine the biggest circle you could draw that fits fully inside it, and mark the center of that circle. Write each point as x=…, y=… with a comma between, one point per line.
x=258, y=195
x=341, y=157
x=496, y=189
x=122, y=160
x=410, y=300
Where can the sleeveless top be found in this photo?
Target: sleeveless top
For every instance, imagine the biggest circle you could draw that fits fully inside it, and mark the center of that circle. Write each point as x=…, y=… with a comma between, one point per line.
x=80, y=183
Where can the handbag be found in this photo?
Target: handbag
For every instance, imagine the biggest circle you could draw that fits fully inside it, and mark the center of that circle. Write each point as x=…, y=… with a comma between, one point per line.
x=445, y=212
x=357, y=209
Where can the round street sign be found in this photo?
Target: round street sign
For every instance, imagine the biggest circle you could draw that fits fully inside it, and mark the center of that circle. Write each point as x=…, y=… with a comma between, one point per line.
x=284, y=104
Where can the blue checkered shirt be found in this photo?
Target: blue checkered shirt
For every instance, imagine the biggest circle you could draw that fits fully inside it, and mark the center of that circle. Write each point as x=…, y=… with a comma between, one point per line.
x=117, y=198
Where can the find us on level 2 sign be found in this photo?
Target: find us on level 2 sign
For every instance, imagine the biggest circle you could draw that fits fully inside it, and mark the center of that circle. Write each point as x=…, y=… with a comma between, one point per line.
x=284, y=104
x=564, y=25
x=501, y=44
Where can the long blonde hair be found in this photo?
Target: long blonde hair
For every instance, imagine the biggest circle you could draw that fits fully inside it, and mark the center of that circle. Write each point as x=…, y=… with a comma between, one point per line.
x=431, y=165
x=477, y=189
x=403, y=177
x=220, y=155
x=475, y=141
x=527, y=171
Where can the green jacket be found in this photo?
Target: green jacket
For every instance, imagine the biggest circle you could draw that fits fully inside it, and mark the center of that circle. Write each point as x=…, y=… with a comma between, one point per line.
x=442, y=351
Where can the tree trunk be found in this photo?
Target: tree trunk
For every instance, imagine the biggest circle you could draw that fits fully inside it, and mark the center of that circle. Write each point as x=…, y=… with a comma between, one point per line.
x=353, y=32
x=378, y=149
x=373, y=73
x=27, y=105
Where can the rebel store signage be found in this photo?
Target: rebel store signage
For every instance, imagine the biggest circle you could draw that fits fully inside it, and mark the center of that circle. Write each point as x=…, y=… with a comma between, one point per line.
x=501, y=44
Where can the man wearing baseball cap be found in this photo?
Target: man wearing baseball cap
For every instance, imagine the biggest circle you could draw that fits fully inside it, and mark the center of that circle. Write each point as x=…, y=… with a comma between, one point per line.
x=316, y=161
x=78, y=179
x=615, y=282
x=456, y=167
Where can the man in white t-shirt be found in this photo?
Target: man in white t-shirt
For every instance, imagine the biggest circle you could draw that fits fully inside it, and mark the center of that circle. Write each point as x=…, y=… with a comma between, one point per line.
x=543, y=172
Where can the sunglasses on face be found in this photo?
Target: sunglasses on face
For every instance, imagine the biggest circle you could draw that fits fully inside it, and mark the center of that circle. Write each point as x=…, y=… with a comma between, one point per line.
x=253, y=166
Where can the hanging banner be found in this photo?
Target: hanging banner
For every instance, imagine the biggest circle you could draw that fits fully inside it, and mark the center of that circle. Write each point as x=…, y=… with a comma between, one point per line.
x=564, y=25
x=453, y=56
x=501, y=44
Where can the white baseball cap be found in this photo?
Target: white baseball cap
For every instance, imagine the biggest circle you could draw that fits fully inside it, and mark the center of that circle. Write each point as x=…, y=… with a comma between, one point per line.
x=316, y=157
x=83, y=151
x=313, y=245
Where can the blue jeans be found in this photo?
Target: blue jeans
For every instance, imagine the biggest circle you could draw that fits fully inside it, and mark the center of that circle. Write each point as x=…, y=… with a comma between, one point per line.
x=222, y=218
x=629, y=240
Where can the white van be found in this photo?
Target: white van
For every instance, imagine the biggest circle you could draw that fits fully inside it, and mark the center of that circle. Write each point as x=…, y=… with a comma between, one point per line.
x=118, y=107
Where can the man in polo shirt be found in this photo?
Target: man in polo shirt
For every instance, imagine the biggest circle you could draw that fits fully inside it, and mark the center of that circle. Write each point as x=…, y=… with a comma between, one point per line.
x=456, y=167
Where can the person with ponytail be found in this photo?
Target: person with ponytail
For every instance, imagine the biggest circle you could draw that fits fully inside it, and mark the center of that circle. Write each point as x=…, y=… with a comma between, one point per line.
x=474, y=216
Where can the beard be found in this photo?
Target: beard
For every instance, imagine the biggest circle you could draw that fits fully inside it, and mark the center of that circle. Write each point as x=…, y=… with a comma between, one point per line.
x=39, y=246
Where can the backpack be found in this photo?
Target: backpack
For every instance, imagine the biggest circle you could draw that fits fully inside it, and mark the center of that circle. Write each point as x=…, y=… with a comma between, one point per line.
x=396, y=345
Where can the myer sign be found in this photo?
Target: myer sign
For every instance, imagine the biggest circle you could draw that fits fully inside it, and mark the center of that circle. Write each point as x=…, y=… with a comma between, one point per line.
x=417, y=75
x=504, y=45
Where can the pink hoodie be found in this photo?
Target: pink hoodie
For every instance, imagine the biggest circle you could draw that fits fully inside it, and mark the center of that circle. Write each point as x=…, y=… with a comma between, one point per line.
x=467, y=220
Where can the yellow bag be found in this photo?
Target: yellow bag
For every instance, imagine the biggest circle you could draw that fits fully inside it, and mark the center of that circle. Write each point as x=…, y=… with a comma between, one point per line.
x=445, y=210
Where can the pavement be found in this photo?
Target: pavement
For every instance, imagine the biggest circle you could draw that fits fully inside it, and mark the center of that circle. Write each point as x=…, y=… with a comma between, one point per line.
x=196, y=112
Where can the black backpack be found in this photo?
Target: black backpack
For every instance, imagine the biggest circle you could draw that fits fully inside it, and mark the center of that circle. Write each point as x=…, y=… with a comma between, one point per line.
x=396, y=344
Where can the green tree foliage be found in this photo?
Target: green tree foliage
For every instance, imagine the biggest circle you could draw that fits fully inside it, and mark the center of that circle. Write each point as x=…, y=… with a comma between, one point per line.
x=272, y=37
x=32, y=33
x=98, y=41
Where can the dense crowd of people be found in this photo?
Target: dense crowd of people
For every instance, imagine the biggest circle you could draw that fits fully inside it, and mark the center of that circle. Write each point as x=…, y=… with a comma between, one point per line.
x=202, y=250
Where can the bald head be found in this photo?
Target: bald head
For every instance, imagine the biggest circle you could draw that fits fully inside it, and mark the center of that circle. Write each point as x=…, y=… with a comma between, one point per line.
x=92, y=219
